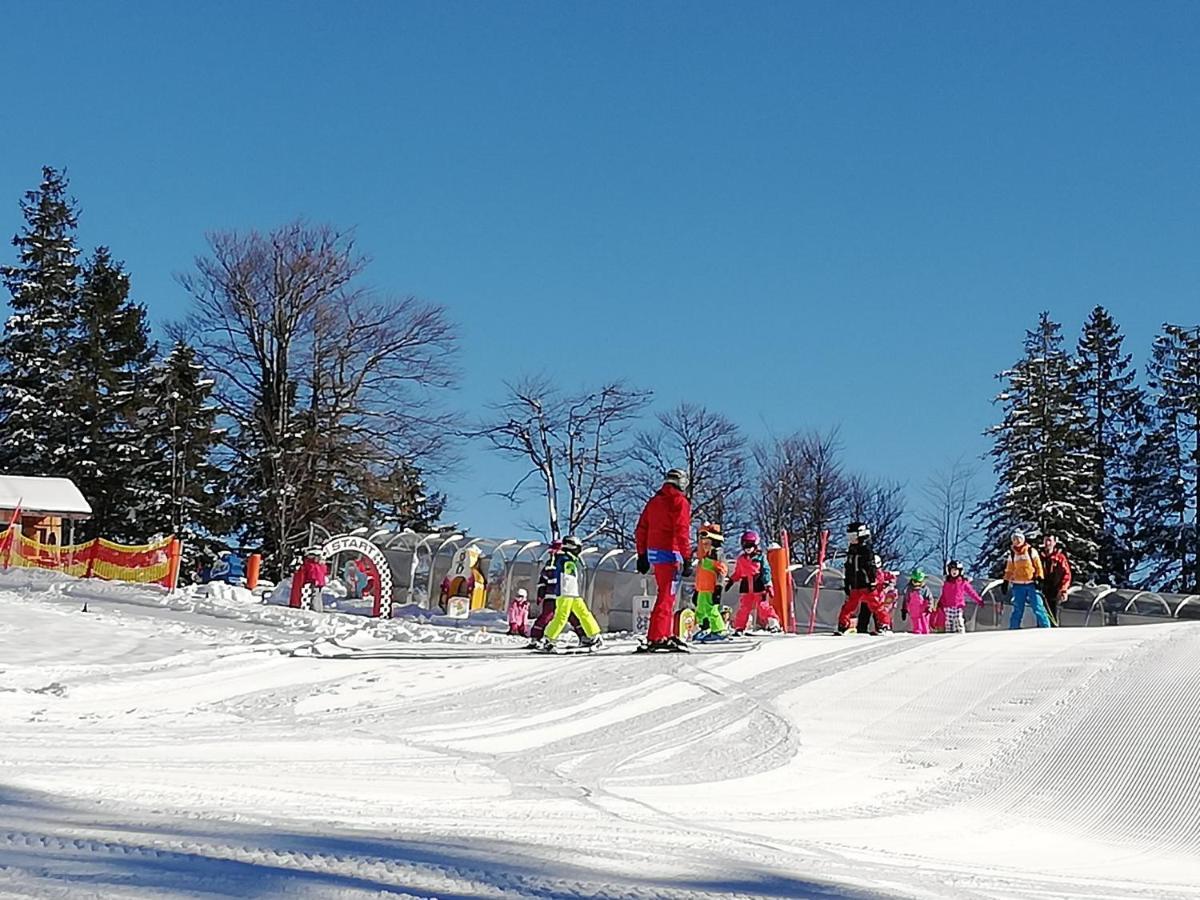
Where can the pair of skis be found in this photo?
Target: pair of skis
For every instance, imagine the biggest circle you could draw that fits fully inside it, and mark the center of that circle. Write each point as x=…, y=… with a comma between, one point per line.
x=329, y=649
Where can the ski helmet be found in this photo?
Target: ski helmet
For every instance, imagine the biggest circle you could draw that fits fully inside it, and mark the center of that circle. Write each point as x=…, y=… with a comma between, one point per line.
x=712, y=533
x=555, y=546
x=858, y=530
x=677, y=477
x=917, y=576
x=1018, y=537
x=572, y=544
x=952, y=565
x=750, y=539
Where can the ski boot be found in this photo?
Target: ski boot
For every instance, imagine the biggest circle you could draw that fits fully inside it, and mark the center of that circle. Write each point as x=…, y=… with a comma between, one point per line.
x=651, y=646
x=592, y=644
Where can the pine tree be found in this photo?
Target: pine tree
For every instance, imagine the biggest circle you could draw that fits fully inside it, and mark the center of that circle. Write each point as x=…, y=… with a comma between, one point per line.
x=179, y=488
x=109, y=360
x=39, y=425
x=1167, y=489
x=400, y=497
x=1112, y=404
x=1044, y=470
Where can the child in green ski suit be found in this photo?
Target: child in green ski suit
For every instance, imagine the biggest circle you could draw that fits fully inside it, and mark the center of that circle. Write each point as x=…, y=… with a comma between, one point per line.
x=710, y=573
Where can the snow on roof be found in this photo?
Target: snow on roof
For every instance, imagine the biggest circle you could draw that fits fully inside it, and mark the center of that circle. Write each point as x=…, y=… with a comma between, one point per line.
x=44, y=496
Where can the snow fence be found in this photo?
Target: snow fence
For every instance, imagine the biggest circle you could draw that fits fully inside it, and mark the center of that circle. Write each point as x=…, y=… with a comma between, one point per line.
x=153, y=563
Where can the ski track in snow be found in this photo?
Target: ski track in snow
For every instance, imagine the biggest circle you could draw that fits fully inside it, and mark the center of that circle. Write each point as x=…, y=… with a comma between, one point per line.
x=173, y=746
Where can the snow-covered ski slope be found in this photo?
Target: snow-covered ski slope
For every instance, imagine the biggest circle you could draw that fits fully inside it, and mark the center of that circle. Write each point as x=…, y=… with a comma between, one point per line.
x=173, y=748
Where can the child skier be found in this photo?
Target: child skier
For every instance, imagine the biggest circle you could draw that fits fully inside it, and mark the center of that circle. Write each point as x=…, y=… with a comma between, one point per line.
x=953, y=600
x=518, y=614
x=866, y=619
x=710, y=572
x=547, y=595
x=568, y=588
x=753, y=577
x=885, y=590
x=918, y=602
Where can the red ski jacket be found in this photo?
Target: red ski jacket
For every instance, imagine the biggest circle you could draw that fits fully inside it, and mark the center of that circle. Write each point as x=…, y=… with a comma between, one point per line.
x=666, y=523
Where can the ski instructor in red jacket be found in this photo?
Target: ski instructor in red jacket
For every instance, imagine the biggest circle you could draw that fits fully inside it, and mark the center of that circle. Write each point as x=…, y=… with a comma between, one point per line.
x=664, y=541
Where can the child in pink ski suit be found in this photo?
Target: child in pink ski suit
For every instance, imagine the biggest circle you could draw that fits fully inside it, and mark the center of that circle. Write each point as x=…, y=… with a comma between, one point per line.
x=518, y=614
x=955, y=592
x=753, y=576
x=918, y=603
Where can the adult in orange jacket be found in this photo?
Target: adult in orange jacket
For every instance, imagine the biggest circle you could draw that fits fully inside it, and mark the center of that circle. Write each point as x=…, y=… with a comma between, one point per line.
x=664, y=542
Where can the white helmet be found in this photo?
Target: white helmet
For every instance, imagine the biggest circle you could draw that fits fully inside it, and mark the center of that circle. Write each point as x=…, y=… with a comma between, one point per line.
x=677, y=477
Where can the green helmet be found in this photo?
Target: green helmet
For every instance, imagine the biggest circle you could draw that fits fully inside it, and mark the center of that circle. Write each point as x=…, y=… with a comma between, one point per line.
x=916, y=576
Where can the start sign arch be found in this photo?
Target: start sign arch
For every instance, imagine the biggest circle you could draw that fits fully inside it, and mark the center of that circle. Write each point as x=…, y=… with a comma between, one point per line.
x=375, y=565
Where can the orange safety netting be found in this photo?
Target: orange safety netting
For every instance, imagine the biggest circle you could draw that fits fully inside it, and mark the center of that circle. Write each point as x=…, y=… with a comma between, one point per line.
x=97, y=558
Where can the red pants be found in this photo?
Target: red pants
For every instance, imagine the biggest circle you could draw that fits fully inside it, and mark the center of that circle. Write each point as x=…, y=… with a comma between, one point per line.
x=879, y=609
x=753, y=603
x=662, y=618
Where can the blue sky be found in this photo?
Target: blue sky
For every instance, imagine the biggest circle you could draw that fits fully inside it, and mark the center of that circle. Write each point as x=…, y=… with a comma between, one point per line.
x=800, y=214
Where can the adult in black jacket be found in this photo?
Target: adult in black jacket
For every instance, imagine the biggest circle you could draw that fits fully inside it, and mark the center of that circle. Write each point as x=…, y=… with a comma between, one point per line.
x=859, y=580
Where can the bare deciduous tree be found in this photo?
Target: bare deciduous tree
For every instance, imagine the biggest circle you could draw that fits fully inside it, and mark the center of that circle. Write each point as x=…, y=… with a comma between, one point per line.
x=705, y=444
x=328, y=386
x=802, y=487
x=945, y=527
x=574, y=443
x=881, y=505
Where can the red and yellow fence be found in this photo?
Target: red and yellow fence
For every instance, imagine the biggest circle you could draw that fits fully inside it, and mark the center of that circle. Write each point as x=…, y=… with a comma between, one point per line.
x=156, y=563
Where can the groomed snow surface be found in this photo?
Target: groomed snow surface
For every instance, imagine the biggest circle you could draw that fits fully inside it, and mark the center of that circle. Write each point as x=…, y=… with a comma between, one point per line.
x=177, y=747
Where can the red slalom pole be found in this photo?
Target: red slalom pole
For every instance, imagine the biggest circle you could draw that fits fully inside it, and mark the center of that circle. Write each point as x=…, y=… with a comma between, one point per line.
x=812, y=616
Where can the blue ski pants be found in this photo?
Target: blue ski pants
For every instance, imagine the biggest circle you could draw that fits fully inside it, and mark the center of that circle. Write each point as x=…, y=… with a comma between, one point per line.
x=1023, y=594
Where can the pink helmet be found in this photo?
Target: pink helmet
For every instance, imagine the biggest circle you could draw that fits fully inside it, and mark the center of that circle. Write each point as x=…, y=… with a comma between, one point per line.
x=750, y=538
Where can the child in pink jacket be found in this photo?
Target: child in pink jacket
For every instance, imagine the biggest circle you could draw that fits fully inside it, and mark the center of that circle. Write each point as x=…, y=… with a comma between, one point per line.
x=955, y=592
x=518, y=614
x=918, y=603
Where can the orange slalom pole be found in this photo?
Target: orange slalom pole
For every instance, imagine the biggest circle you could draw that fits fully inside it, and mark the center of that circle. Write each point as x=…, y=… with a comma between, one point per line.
x=789, y=601
x=778, y=561
x=253, y=565
x=173, y=556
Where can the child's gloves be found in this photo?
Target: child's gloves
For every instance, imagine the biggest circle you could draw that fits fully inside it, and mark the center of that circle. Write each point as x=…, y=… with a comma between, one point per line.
x=643, y=563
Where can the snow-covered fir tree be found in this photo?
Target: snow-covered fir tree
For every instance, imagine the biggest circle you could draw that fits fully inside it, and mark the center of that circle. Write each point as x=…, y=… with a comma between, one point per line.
x=1044, y=471
x=400, y=496
x=38, y=425
x=109, y=358
x=1166, y=487
x=1112, y=405
x=179, y=487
